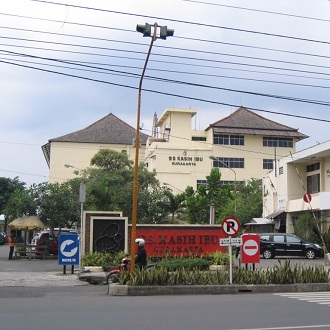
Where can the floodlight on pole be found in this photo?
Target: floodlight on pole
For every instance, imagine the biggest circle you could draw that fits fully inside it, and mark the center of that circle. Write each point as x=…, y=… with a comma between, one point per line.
x=220, y=161
x=146, y=30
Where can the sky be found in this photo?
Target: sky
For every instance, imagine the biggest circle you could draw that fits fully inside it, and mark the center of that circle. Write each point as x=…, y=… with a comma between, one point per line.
x=66, y=64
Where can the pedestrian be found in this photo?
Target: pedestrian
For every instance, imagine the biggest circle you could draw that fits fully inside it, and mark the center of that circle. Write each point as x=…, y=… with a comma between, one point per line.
x=11, y=244
x=238, y=248
x=141, y=255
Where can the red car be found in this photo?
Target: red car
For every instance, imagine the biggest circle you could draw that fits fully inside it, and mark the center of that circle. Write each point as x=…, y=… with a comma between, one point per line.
x=50, y=238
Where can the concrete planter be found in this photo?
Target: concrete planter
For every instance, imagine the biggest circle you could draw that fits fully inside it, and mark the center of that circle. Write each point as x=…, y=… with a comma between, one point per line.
x=127, y=290
x=93, y=269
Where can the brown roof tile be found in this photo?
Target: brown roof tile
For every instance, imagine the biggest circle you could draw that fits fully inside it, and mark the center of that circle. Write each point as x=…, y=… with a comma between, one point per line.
x=244, y=121
x=109, y=130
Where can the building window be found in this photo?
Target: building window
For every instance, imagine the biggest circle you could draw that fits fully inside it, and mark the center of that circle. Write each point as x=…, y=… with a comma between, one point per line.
x=198, y=138
x=280, y=170
x=234, y=140
x=313, y=167
x=228, y=162
x=268, y=164
x=200, y=182
x=221, y=139
x=313, y=183
x=277, y=142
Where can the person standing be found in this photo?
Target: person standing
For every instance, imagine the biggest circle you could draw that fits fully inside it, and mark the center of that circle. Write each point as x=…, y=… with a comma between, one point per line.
x=11, y=244
x=141, y=255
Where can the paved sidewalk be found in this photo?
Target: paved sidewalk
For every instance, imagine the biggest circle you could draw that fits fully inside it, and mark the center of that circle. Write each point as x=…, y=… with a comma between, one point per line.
x=33, y=279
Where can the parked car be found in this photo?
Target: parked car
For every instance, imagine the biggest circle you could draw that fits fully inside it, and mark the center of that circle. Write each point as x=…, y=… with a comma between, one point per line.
x=50, y=238
x=279, y=244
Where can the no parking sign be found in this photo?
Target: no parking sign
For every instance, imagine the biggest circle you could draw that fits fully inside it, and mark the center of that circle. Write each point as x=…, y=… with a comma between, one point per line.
x=250, y=249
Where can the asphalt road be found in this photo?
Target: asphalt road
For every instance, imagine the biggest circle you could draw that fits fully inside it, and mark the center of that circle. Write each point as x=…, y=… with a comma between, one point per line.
x=35, y=294
x=83, y=309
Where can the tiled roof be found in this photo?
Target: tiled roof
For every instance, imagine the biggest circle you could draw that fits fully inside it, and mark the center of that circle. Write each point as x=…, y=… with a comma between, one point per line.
x=244, y=121
x=108, y=130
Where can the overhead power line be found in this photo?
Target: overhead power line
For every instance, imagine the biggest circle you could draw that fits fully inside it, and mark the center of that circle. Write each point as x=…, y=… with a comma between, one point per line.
x=166, y=93
x=186, y=22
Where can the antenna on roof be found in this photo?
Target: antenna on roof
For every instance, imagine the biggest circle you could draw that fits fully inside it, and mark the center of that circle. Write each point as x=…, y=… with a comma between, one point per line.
x=154, y=127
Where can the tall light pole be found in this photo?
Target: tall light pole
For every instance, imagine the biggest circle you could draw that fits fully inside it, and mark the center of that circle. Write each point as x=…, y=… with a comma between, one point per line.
x=82, y=200
x=217, y=158
x=146, y=30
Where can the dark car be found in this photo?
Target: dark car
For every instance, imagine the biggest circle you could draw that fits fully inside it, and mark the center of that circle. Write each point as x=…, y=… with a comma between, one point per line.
x=279, y=244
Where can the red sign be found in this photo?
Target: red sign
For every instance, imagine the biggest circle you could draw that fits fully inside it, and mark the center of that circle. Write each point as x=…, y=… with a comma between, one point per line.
x=179, y=242
x=307, y=198
x=250, y=249
x=231, y=226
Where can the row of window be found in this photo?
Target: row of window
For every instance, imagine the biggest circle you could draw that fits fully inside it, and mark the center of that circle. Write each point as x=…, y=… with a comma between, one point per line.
x=224, y=162
x=238, y=140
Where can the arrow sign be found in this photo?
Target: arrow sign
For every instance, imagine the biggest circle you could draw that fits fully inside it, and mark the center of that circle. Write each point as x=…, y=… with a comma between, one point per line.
x=236, y=241
x=68, y=249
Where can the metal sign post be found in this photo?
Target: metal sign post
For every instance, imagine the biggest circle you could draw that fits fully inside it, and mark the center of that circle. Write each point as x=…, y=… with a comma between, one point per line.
x=236, y=241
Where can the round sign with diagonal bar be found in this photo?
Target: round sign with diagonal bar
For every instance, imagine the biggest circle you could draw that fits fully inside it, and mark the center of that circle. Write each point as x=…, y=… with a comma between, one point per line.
x=231, y=226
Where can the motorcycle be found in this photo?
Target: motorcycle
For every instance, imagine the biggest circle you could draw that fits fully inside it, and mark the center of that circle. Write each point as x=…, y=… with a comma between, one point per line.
x=113, y=276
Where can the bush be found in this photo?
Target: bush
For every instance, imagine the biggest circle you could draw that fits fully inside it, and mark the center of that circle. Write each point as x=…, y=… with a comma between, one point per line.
x=174, y=264
x=219, y=258
x=100, y=259
x=280, y=274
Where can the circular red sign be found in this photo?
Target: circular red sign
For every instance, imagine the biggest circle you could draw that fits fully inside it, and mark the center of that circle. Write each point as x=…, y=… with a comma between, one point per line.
x=231, y=226
x=307, y=198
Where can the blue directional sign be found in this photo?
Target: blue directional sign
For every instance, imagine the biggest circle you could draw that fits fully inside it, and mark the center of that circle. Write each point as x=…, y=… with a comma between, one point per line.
x=68, y=249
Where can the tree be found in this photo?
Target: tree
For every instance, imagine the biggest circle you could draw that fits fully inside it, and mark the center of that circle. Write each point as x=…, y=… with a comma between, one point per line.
x=22, y=202
x=248, y=200
x=7, y=188
x=59, y=204
x=214, y=194
x=56, y=204
x=111, y=160
x=110, y=186
x=176, y=203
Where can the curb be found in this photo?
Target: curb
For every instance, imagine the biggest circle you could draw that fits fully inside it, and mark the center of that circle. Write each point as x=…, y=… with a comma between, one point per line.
x=126, y=290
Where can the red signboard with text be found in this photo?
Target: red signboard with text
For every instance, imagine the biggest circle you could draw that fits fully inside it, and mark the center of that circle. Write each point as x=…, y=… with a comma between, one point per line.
x=179, y=242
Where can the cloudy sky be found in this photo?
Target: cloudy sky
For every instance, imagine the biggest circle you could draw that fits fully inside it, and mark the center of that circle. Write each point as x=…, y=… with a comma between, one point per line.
x=66, y=64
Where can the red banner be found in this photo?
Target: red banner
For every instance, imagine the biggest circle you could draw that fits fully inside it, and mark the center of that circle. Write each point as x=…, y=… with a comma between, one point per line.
x=177, y=242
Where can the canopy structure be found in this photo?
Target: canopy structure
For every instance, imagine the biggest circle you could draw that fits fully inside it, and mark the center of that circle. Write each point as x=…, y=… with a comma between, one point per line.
x=26, y=223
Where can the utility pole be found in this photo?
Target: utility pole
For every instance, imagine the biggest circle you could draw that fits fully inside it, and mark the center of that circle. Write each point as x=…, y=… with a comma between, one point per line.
x=146, y=30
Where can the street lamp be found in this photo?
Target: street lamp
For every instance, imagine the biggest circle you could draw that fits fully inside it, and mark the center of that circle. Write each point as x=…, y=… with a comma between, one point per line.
x=146, y=30
x=217, y=158
x=76, y=171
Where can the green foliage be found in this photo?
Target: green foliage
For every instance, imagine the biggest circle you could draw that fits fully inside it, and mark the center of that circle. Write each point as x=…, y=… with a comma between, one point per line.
x=98, y=259
x=280, y=274
x=111, y=160
x=173, y=264
x=248, y=201
x=219, y=258
x=22, y=202
x=306, y=227
x=7, y=188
